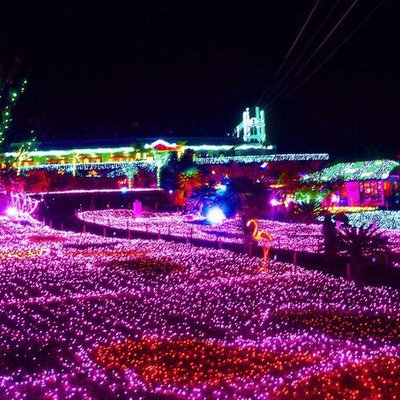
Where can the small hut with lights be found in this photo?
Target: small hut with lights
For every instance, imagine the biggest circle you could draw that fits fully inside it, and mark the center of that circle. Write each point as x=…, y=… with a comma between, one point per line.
x=360, y=184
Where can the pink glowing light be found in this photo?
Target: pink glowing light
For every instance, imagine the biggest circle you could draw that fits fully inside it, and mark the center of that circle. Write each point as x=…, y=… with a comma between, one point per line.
x=99, y=191
x=64, y=296
x=275, y=202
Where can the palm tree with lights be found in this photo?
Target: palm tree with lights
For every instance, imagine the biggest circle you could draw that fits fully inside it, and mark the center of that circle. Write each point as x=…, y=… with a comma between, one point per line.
x=161, y=159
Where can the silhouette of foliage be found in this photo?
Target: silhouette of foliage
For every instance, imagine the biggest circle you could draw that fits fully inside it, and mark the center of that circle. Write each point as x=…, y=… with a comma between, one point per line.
x=361, y=244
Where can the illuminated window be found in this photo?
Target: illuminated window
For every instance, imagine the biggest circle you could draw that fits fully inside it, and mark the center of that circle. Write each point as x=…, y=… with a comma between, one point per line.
x=371, y=192
x=387, y=185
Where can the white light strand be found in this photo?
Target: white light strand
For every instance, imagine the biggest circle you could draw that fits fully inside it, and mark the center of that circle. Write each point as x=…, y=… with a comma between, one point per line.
x=262, y=158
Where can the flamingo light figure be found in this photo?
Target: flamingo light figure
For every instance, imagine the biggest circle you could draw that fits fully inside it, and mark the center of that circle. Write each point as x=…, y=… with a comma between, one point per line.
x=265, y=238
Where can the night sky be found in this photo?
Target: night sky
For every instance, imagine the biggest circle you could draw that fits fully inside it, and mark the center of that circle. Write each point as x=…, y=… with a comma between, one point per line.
x=188, y=68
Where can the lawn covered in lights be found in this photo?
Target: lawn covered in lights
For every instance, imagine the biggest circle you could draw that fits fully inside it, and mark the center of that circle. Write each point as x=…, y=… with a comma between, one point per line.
x=88, y=317
x=290, y=236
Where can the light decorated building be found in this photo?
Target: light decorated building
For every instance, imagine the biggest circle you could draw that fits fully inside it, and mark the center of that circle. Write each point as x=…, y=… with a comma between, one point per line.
x=372, y=183
x=248, y=144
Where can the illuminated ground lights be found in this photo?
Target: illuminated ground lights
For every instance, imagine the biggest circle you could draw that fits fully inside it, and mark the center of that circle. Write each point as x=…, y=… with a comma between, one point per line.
x=383, y=219
x=298, y=237
x=291, y=236
x=90, y=317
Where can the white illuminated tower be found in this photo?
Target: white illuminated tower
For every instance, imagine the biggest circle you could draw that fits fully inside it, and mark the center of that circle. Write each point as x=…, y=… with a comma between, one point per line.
x=252, y=129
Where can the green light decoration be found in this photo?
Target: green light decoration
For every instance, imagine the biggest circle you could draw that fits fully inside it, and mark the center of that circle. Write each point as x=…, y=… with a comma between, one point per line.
x=23, y=153
x=354, y=171
x=56, y=153
x=161, y=159
x=189, y=180
x=190, y=172
x=129, y=170
x=76, y=158
x=252, y=129
x=9, y=96
x=310, y=195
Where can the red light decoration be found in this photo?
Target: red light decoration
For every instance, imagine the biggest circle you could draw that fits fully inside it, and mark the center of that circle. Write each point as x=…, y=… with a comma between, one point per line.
x=191, y=362
x=46, y=239
x=344, y=325
x=147, y=266
x=377, y=378
x=95, y=253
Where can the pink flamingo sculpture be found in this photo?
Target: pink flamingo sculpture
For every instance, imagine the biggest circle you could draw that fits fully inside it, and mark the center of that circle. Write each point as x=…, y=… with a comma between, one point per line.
x=266, y=240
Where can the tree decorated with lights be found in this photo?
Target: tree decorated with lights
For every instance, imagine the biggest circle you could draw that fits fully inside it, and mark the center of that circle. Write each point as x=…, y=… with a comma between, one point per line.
x=161, y=159
x=11, y=90
x=189, y=180
x=22, y=153
x=10, y=173
x=129, y=170
x=76, y=158
x=10, y=93
x=308, y=200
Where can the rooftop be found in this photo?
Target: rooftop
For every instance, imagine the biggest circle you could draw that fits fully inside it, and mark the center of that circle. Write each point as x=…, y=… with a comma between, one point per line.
x=354, y=171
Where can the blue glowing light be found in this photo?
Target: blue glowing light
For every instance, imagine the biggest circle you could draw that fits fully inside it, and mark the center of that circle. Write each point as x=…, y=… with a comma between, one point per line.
x=221, y=187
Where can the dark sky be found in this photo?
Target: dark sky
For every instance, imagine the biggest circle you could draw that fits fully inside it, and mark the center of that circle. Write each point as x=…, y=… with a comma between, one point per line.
x=182, y=67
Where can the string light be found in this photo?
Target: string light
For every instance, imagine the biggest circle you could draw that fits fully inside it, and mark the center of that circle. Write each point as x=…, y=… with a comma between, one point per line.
x=68, y=167
x=96, y=191
x=262, y=158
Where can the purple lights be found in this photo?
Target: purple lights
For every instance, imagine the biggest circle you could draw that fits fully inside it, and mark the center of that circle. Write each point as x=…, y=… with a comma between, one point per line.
x=87, y=317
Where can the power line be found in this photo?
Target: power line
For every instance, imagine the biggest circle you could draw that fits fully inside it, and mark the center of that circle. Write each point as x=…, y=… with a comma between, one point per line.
x=289, y=51
x=308, y=44
x=337, y=47
x=327, y=37
x=341, y=19
x=301, y=31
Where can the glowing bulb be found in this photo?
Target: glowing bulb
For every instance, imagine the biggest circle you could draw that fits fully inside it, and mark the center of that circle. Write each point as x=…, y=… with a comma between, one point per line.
x=215, y=216
x=221, y=187
x=12, y=212
x=275, y=202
